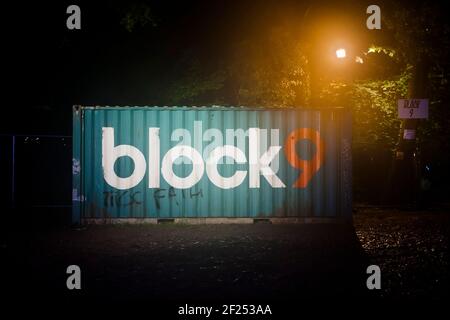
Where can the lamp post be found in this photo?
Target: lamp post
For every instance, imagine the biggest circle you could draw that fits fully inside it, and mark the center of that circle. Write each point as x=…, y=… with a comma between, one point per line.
x=341, y=54
x=321, y=62
x=313, y=82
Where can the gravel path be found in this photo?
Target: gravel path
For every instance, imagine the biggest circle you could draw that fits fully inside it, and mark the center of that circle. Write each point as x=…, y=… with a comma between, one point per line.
x=260, y=262
x=411, y=249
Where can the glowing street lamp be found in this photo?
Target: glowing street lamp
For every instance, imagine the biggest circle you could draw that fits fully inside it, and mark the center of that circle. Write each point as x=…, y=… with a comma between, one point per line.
x=340, y=53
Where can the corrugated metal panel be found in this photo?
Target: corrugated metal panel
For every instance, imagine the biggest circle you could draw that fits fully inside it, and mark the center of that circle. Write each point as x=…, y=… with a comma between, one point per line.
x=313, y=162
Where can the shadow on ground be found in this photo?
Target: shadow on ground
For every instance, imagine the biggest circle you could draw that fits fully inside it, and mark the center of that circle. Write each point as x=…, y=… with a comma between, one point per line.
x=260, y=262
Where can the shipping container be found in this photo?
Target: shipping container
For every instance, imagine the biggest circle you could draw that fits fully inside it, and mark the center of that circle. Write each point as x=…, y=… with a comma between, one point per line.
x=197, y=164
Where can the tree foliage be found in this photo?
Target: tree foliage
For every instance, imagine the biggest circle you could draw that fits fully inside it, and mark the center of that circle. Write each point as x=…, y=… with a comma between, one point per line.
x=272, y=69
x=137, y=15
x=374, y=104
x=269, y=71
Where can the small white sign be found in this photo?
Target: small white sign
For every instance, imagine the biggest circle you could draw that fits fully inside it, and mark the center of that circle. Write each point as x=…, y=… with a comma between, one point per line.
x=409, y=134
x=412, y=108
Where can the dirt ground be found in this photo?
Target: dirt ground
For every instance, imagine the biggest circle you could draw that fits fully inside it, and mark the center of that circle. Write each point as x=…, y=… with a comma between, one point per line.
x=260, y=262
x=411, y=248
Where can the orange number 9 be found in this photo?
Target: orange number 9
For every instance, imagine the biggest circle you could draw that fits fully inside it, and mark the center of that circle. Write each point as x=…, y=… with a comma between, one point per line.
x=308, y=167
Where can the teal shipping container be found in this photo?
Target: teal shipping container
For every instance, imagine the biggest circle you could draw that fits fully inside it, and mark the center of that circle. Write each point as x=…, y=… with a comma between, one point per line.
x=210, y=164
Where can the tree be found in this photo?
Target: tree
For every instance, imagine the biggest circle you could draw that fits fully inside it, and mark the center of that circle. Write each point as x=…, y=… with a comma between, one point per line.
x=270, y=70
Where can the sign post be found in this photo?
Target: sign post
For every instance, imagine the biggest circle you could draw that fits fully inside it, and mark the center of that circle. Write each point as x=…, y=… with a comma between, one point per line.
x=405, y=170
x=410, y=109
x=404, y=176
